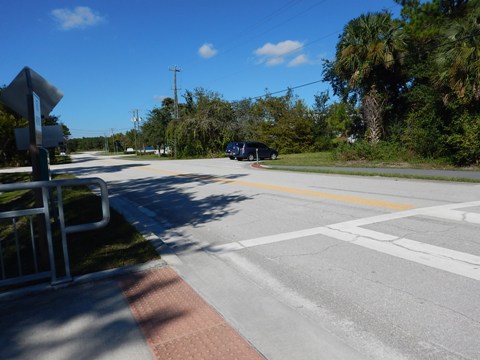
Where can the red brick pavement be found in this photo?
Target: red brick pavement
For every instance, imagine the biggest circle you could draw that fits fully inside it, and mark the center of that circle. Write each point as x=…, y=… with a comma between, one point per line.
x=177, y=322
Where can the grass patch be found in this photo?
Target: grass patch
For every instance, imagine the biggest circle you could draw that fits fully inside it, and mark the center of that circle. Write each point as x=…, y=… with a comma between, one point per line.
x=380, y=174
x=13, y=199
x=324, y=158
x=116, y=245
x=363, y=159
x=63, y=159
x=363, y=155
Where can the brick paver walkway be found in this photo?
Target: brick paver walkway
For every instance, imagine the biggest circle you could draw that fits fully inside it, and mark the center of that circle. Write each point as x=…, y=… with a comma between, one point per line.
x=177, y=322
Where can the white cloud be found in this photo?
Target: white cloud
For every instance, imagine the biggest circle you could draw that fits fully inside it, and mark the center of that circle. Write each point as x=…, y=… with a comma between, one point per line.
x=80, y=17
x=277, y=60
x=280, y=49
x=275, y=54
x=299, y=60
x=207, y=51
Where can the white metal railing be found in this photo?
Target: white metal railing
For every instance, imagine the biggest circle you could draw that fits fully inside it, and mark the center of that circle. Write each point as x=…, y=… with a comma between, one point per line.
x=48, y=201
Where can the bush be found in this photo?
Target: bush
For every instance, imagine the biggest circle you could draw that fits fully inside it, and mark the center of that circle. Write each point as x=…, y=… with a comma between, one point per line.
x=423, y=132
x=463, y=143
x=364, y=151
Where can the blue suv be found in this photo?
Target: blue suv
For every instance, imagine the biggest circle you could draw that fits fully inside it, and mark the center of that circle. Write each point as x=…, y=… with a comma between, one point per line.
x=249, y=150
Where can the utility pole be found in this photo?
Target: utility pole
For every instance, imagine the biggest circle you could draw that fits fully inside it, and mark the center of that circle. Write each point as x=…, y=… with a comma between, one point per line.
x=136, y=120
x=175, y=106
x=175, y=97
x=114, y=145
x=106, y=142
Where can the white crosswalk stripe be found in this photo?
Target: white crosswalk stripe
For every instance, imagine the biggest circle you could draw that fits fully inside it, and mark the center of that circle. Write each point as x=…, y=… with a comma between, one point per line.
x=456, y=262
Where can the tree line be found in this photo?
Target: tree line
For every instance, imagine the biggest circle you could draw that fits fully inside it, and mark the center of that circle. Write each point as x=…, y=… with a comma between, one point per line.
x=9, y=121
x=410, y=83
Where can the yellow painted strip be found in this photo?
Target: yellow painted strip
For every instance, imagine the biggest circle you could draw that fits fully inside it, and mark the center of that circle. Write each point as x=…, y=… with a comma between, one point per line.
x=319, y=194
x=324, y=195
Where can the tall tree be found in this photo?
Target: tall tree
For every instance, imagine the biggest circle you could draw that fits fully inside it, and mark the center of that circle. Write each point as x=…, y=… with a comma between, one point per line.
x=205, y=126
x=458, y=59
x=321, y=131
x=155, y=127
x=284, y=122
x=368, y=66
x=442, y=117
x=340, y=121
x=245, y=122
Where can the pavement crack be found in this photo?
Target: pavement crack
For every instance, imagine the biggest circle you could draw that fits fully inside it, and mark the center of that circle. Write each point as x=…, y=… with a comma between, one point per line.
x=434, y=255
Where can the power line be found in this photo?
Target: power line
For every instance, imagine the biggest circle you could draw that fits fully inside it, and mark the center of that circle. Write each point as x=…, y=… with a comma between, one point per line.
x=268, y=17
x=404, y=55
x=287, y=89
x=288, y=5
x=238, y=39
x=290, y=18
x=318, y=81
x=302, y=46
x=279, y=25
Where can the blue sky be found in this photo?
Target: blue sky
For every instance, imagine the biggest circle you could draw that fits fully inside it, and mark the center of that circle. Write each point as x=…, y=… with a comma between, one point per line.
x=111, y=56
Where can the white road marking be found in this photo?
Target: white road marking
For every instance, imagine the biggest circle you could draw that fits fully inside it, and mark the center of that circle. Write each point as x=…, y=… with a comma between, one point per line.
x=468, y=217
x=456, y=262
x=452, y=261
x=434, y=211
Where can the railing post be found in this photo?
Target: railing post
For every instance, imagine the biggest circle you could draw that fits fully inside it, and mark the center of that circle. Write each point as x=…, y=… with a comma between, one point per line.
x=43, y=188
x=61, y=216
x=17, y=247
x=48, y=230
x=34, y=249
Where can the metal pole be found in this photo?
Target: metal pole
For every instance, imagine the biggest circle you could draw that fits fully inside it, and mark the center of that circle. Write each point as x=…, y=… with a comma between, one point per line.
x=36, y=171
x=175, y=97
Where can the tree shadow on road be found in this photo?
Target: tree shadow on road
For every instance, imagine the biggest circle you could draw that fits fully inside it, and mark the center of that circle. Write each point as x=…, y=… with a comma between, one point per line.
x=175, y=198
x=57, y=324
x=164, y=205
x=94, y=170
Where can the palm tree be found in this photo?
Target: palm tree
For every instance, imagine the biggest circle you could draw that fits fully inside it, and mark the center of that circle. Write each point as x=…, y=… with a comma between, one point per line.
x=368, y=65
x=458, y=60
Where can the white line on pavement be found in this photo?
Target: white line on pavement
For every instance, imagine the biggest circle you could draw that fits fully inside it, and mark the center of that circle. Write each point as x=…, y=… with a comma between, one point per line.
x=452, y=261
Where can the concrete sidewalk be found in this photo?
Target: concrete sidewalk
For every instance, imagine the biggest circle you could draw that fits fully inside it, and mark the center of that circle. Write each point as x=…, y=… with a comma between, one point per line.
x=151, y=314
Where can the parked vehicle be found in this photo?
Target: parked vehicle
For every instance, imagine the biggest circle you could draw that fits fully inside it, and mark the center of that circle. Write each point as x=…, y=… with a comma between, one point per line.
x=231, y=150
x=249, y=150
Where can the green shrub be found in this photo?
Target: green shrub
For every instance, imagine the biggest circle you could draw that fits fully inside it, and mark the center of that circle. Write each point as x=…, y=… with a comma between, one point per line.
x=463, y=142
x=364, y=151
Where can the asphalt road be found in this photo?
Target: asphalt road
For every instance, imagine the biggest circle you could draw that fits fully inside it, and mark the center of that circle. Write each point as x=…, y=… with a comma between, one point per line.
x=314, y=266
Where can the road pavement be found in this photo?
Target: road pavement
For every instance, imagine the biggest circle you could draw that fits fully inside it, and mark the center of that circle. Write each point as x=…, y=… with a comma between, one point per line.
x=314, y=266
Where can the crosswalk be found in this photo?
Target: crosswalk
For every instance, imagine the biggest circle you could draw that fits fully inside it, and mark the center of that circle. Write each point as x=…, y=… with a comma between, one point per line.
x=453, y=261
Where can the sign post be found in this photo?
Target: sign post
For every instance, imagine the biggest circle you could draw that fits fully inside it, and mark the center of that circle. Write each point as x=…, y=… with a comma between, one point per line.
x=35, y=131
x=32, y=97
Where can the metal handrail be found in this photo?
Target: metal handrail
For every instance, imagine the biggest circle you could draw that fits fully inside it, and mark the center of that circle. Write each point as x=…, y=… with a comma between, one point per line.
x=59, y=184
x=46, y=186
